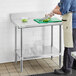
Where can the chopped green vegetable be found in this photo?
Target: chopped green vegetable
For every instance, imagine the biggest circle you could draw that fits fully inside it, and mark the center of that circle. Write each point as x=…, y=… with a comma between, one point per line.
x=24, y=20
x=46, y=20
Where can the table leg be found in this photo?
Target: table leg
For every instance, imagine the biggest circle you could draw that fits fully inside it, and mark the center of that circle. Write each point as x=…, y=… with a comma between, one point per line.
x=15, y=44
x=21, y=59
x=51, y=40
x=43, y=39
x=60, y=46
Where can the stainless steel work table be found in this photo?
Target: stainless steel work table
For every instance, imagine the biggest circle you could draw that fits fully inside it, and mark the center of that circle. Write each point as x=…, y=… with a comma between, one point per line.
x=19, y=25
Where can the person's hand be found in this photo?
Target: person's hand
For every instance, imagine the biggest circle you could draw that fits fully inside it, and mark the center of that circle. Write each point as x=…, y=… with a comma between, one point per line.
x=50, y=14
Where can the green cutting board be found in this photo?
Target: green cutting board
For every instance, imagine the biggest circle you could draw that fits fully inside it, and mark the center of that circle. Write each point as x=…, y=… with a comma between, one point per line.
x=52, y=20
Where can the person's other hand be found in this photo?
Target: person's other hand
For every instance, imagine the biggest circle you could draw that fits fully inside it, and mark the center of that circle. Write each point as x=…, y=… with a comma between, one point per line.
x=50, y=14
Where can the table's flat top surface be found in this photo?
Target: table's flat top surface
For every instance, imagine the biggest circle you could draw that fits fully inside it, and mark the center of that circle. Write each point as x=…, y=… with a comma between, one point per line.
x=17, y=20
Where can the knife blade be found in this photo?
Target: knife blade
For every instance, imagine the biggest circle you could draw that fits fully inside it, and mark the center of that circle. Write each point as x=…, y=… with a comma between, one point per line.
x=46, y=17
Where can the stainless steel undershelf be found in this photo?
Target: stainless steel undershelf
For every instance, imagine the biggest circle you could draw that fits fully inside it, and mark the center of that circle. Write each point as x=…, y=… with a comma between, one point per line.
x=41, y=54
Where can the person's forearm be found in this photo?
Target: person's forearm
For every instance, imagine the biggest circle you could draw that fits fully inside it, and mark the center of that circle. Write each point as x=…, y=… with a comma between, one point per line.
x=57, y=10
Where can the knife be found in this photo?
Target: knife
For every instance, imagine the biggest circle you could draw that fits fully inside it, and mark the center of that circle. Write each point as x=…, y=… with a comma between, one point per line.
x=46, y=17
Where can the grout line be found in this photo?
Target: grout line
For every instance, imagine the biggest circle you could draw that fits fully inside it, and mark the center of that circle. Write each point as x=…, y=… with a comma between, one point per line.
x=48, y=64
x=41, y=66
x=31, y=66
x=55, y=62
x=7, y=70
x=25, y=69
x=15, y=68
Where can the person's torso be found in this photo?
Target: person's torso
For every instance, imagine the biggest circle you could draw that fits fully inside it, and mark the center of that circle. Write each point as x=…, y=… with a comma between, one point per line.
x=73, y=6
x=74, y=20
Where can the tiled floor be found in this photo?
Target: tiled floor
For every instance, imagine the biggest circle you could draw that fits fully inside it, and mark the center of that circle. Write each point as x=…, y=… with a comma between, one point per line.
x=36, y=66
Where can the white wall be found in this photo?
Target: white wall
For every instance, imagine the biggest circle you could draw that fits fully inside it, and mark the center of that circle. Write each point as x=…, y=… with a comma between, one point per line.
x=7, y=29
